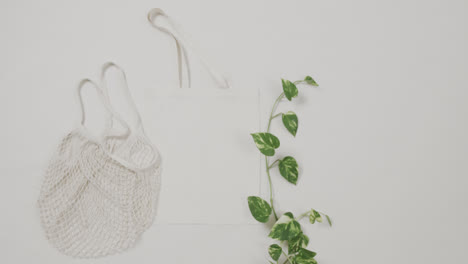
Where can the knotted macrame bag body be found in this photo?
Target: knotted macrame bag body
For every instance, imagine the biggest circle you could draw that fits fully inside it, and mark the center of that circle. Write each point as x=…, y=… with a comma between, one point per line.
x=99, y=194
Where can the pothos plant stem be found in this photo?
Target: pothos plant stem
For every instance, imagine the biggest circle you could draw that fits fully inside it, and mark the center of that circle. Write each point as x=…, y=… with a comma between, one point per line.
x=275, y=116
x=287, y=257
x=267, y=166
x=271, y=189
x=302, y=215
x=273, y=110
x=274, y=163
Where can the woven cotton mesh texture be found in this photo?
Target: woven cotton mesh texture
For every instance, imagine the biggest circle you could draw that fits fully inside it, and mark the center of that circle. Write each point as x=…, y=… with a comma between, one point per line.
x=140, y=154
x=90, y=204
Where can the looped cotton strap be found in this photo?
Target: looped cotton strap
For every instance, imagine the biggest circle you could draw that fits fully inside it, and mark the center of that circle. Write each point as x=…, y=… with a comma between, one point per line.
x=103, y=100
x=128, y=96
x=180, y=40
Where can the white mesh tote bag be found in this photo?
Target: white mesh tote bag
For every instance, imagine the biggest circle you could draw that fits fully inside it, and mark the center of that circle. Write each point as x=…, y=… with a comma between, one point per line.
x=90, y=201
x=85, y=198
x=207, y=144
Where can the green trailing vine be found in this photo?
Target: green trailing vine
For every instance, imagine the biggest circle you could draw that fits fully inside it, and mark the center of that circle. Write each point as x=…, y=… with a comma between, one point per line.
x=292, y=242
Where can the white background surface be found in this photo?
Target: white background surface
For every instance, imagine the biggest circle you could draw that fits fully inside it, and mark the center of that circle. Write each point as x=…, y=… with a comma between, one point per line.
x=382, y=144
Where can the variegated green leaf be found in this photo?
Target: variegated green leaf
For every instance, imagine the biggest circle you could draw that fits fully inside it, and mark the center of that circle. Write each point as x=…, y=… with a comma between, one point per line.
x=309, y=80
x=275, y=251
x=298, y=242
x=289, y=89
x=305, y=257
x=311, y=219
x=285, y=228
x=259, y=209
x=318, y=217
x=314, y=216
x=290, y=122
x=289, y=169
x=266, y=143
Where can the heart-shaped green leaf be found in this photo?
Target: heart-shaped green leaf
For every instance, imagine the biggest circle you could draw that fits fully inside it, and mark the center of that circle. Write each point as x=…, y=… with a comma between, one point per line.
x=298, y=242
x=275, y=251
x=285, y=228
x=290, y=122
x=305, y=257
x=259, y=209
x=314, y=216
x=309, y=80
x=266, y=143
x=289, y=89
x=289, y=169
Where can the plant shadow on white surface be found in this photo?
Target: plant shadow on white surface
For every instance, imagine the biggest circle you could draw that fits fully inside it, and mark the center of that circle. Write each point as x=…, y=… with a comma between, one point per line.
x=287, y=230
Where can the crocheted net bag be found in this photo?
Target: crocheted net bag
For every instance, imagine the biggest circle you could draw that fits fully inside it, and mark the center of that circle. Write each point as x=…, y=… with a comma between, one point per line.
x=93, y=201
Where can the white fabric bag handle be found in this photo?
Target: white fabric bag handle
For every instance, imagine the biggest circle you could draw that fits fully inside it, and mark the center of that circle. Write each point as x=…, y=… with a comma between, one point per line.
x=182, y=58
x=111, y=113
x=137, y=126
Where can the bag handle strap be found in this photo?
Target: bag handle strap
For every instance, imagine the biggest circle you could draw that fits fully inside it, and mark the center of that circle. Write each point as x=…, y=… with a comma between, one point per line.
x=182, y=43
x=111, y=113
x=103, y=100
x=137, y=126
